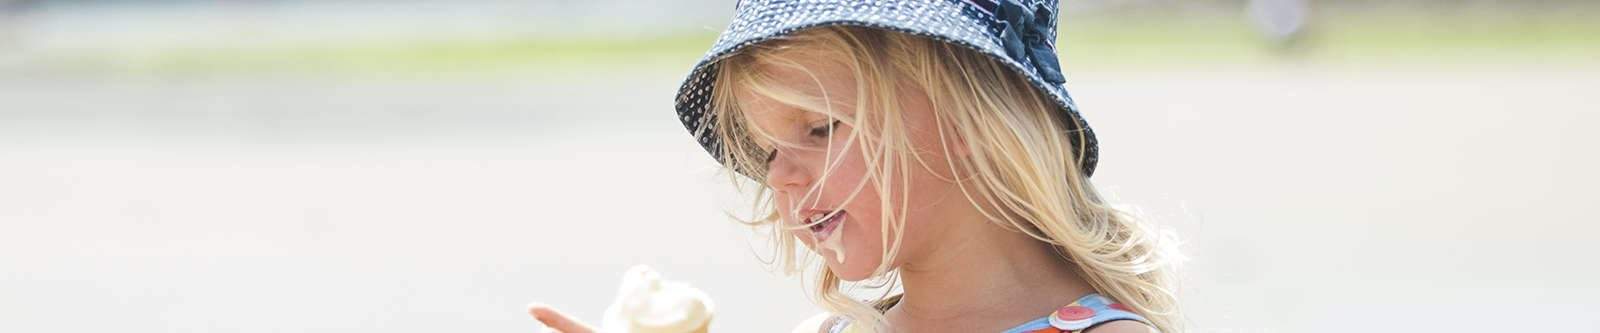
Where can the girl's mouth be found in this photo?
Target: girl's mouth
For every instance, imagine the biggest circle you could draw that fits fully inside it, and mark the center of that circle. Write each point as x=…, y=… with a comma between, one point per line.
x=824, y=231
x=828, y=223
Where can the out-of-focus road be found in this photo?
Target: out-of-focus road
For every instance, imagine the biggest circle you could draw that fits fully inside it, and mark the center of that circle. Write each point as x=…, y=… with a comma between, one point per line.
x=1310, y=199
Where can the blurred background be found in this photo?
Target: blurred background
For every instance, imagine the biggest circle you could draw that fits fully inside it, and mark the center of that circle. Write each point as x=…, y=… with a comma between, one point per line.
x=434, y=166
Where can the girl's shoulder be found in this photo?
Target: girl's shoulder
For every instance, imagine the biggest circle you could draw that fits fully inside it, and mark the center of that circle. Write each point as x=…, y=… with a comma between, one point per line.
x=816, y=324
x=827, y=323
x=834, y=323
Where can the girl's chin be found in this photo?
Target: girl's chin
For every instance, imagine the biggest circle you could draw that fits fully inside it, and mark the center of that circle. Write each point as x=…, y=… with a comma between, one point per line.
x=851, y=277
x=851, y=271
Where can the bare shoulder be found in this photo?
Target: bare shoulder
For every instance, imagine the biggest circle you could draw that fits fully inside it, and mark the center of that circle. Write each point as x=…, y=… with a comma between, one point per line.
x=814, y=324
x=1121, y=326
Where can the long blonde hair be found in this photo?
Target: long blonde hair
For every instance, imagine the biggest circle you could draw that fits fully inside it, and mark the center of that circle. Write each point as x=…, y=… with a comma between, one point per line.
x=1024, y=174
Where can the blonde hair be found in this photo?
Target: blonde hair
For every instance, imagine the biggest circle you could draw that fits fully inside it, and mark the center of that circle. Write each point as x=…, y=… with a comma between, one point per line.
x=1024, y=174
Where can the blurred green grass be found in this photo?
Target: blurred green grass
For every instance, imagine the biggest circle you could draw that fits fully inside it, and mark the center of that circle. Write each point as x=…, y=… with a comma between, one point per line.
x=1088, y=42
x=1346, y=38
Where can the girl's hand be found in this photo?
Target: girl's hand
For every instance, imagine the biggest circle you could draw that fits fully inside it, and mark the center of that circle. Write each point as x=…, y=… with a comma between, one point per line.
x=557, y=320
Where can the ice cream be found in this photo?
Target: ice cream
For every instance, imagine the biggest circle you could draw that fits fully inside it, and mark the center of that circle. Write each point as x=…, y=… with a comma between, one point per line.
x=647, y=304
x=835, y=243
x=828, y=230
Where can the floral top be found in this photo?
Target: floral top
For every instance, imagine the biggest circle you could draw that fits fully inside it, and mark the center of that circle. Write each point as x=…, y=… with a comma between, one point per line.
x=1088, y=311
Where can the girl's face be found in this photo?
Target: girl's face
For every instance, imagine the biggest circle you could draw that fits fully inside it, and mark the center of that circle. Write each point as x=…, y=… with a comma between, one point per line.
x=813, y=142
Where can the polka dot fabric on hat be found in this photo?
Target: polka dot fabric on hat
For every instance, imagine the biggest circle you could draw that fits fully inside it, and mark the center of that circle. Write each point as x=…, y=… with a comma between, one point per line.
x=1018, y=33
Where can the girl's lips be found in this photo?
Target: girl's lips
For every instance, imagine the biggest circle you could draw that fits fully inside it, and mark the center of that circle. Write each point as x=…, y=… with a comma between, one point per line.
x=808, y=217
x=832, y=222
x=827, y=235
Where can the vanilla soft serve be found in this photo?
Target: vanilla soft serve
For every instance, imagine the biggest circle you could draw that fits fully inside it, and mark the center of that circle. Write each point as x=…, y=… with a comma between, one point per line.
x=648, y=304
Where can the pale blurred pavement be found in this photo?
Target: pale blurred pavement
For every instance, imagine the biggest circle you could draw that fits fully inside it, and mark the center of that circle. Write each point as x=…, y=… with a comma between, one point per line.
x=1305, y=197
x=1311, y=198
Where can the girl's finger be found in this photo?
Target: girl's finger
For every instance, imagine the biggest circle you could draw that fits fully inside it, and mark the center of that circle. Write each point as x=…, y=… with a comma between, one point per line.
x=557, y=320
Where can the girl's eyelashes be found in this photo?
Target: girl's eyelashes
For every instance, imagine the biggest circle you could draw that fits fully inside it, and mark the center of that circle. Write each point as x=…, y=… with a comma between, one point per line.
x=825, y=130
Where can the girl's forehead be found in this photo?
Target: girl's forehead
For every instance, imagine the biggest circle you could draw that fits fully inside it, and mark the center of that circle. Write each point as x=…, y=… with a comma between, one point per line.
x=764, y=110
x=765, y=116
x=801, y=90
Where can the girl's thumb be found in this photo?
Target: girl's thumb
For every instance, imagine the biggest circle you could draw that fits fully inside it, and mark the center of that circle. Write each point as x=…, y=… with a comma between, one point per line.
x=557, y=320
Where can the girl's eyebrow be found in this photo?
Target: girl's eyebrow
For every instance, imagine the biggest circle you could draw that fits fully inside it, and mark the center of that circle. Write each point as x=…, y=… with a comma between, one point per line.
x=790, y=115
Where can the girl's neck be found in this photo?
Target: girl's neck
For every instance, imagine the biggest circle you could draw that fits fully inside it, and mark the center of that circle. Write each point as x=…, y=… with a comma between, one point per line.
x=986, y=280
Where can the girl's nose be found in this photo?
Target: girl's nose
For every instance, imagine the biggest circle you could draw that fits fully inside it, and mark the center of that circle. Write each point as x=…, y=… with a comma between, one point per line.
x=783, y=175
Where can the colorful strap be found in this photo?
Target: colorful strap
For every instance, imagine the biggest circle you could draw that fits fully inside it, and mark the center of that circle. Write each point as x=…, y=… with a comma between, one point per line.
x=1086, y=312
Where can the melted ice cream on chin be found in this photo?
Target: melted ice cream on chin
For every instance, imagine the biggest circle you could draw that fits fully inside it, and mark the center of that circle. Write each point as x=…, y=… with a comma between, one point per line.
x=647, y=304
x=835, y=242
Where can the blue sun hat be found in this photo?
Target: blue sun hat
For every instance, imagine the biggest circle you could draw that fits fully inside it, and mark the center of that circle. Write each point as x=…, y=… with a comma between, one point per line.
x=1020, y=34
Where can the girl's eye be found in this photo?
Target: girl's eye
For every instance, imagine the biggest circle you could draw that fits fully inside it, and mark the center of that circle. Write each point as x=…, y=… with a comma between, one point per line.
x=771, y=155
x=825, y=130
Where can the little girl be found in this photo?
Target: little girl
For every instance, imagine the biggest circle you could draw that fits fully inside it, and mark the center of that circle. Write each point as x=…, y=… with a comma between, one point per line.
x=930, y=143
